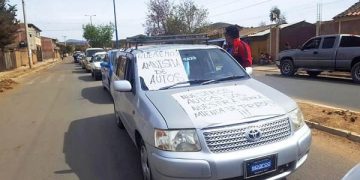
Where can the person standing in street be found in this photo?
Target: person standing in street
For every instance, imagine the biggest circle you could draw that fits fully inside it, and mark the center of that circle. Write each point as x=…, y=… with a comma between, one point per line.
x=239, y=49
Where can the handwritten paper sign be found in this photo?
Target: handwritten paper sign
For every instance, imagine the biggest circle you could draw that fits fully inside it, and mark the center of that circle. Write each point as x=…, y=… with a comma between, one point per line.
x=161, y=68
x=231, y=103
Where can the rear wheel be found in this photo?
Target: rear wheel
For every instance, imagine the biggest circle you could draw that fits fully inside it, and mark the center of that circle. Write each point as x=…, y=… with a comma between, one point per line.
x=313, y=73
x=145, y=166
x=287, y=68
x=355, y=72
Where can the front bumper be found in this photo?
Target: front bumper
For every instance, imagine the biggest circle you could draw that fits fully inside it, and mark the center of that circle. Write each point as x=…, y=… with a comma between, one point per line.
x=97, y=72
x=291, y=154
x=277, y=62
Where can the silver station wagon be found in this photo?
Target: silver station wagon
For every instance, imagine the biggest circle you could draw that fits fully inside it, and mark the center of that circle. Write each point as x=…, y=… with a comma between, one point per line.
x=195, y=113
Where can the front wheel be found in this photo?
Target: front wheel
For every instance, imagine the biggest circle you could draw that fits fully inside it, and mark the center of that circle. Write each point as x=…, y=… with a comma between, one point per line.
x=355, y=73
x=145, y=166
x=287, y=68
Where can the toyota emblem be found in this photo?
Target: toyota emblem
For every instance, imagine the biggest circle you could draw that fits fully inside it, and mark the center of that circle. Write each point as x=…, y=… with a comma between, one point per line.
x=253, y=134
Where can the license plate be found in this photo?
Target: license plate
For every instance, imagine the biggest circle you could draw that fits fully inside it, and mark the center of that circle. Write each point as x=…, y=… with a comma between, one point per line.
x=260, y=166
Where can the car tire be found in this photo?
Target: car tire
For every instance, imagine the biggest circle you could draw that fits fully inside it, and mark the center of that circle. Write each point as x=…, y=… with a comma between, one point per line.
x=287, y=68
x=355, y=73
x=119, y=124
x=145, y=165
x=313, y=74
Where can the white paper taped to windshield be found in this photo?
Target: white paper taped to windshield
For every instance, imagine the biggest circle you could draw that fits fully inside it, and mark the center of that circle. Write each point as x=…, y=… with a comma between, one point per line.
x=161, y=68
x=226, y=103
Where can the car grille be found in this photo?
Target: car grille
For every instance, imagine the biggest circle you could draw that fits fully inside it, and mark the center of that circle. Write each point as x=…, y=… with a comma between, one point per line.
x=228, y=139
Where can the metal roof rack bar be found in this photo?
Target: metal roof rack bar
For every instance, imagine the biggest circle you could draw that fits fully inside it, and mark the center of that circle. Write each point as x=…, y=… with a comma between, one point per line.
x=167, y=39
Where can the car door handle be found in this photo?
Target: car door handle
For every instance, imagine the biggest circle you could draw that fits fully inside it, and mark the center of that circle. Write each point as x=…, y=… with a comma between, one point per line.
x=315, y=52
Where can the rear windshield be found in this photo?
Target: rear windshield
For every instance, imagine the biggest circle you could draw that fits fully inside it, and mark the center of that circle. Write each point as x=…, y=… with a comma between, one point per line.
x=90, y=53
x=164, y=68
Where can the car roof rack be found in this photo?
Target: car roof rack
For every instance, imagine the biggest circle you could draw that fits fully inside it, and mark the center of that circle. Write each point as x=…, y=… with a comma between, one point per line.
x=170, y=39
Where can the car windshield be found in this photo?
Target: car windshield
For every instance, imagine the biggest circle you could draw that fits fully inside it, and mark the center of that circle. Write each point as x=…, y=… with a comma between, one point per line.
x=160, y=70
x=99, y=57
x=90, y=53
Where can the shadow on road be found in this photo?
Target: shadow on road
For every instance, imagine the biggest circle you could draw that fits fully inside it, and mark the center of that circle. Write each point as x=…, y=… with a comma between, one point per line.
x=97, y=95
x=95, y=148
x=337, y=80
x=87, y=77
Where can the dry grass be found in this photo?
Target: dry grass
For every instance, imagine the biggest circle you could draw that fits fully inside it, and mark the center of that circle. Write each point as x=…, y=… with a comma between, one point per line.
x=336, y=118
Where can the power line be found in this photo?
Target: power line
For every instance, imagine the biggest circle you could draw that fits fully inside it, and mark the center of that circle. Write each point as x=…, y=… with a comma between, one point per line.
x=249, y=6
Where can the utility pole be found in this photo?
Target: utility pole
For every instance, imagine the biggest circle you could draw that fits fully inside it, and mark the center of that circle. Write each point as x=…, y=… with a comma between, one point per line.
x=91, y=18
x=65, y=40
x=27, y=36
x=116, y=30
x=319, y=18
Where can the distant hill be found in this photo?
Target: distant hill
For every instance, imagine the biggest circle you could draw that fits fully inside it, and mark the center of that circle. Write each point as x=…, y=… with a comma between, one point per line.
x=220, y=25
x=216, y=30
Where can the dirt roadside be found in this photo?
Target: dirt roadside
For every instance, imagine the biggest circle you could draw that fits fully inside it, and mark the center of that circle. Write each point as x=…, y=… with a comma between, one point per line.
x=8, y=79
x=331, y=117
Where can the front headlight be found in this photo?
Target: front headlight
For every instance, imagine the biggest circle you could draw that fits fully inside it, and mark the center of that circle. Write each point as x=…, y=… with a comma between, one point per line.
x=177, y=140
x=297, y=119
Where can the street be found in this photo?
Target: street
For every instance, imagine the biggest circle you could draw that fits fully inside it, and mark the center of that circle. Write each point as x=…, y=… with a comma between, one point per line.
x=342, y=93
x=59, y=124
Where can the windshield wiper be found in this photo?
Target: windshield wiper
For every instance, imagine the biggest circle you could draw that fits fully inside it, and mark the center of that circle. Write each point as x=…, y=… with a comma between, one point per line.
x=222, y=79
x=183, y=82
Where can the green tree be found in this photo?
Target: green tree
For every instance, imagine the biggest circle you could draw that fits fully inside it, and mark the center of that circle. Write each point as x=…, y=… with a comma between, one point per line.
x=99, y=36
x=277, y=17
x=165, y=18
x=8, y=23
x=193, y=17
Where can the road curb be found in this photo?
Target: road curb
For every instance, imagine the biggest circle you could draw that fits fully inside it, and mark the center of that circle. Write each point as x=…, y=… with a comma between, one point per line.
x=352, y=136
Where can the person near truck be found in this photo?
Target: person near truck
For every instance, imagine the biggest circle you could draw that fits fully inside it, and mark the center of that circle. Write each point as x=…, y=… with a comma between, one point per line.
x=239, y=49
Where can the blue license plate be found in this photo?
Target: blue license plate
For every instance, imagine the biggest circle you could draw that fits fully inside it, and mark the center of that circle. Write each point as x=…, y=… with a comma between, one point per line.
x=260, y=166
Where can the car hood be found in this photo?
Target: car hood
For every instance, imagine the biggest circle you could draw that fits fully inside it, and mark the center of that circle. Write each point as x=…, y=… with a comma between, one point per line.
x=219, y=104
x=97, y=65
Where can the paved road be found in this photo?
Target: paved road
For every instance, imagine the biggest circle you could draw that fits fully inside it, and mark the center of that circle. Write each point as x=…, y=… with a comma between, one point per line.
x=336, y=92
x=59, y=124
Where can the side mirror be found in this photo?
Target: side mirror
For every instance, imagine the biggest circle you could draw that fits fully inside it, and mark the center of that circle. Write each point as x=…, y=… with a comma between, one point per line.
x=249, y=70
x=105, y=64
x=122, y=86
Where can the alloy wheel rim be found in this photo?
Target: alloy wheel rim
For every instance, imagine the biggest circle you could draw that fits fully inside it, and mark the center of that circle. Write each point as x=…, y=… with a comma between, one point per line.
x=286, y=67
x=357, y=72
x=144, y=164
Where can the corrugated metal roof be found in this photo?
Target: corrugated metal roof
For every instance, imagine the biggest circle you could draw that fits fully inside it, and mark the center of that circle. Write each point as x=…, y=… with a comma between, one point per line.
x=354, y=10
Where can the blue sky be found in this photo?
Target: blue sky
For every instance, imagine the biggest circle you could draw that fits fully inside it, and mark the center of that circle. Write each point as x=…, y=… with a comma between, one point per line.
x=58, y=18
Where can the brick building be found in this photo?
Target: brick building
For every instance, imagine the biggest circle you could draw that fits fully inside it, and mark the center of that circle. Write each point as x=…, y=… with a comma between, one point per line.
x=347, y=22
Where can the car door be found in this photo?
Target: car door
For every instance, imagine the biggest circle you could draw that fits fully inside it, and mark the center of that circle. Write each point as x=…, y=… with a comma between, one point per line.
x=124, y=100
x=105, y=71
x=129, y=99
x=307, y=57
x=327, y=53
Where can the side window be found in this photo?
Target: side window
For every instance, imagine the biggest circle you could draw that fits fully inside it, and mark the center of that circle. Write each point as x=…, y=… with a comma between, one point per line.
x=328, y=43
x=106, y=59
x=121, y=65
x=313, y=44
x=130, y=74
x=350, y=41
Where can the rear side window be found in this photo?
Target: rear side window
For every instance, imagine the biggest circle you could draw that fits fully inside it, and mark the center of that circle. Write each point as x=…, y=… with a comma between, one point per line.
x=350, y=41
x=329, y=42
x=121, y=65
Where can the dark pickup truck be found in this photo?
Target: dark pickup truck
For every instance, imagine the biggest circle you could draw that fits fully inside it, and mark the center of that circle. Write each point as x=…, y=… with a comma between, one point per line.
x=324, y=53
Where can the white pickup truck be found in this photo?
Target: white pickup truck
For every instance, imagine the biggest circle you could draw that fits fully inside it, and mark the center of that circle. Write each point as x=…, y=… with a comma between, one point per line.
x=324, y=53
